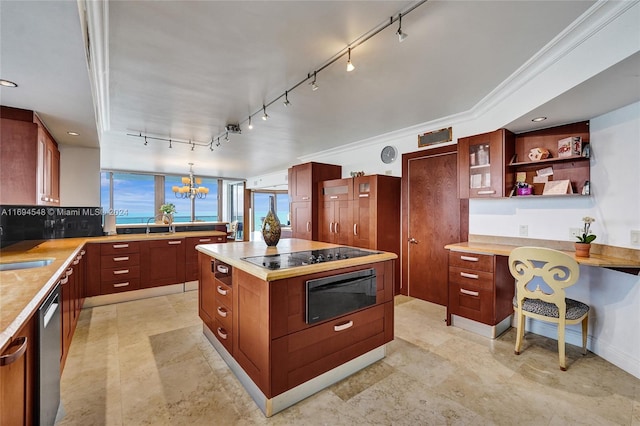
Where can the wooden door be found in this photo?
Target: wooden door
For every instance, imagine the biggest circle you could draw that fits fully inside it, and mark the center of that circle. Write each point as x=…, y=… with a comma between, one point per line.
x=301, y=220
x=432, y=216
x=343, y=227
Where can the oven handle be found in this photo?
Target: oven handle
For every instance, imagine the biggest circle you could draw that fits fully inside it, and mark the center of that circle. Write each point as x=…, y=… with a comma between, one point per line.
x=342, y=283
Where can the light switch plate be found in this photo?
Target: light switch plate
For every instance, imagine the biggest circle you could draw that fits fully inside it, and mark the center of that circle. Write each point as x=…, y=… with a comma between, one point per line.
x=635, y=237
x=524, y=230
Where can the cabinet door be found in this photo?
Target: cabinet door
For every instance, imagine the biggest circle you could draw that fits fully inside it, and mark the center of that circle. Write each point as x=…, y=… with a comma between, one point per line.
x=207, y=292
x=163, y=262
x=54, y=176
x=364, y=222
x=302, y=220
x=481, y=164
x=191, y=254
x=326, y=220
x=301, y=181
x=67, y=284
x=343, y=227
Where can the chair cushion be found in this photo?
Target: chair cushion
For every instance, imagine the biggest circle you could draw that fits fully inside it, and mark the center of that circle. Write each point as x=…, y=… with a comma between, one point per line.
x=575, y=309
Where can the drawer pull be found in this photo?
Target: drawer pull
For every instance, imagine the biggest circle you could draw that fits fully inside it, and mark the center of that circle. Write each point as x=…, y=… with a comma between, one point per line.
x=69, y=272
x=175, y=242
x=336, y=228
x=344, y=326
x=121, y=271
x=82, y=253
x=486, y=192
x=222, y=291
x=469, y=292
x=75, y=262
x=466, y=275
x=363, y=195
x=333, y=197
x=308, y=226
x=11, y=357
x=120, y=259
x=469, y=258
x=205, y=240
x=121, y=284
x=64, y=281
x=305, y=198
x=223, y=269
x=120, y=246
x=222, y=333
x=355, y=229
x=222, y=312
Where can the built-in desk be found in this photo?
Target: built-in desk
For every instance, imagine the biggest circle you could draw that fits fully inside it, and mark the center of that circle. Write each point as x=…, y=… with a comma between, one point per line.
x=481, y=288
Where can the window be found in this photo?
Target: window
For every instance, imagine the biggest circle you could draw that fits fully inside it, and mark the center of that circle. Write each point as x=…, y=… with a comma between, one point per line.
x=205, y=209
x=133, y=196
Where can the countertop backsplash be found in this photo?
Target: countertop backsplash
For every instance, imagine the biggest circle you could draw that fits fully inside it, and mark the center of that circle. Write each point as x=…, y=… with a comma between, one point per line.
x=19, y=223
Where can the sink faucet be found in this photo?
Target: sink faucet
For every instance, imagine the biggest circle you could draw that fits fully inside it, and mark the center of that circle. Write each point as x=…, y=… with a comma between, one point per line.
x=148, y=220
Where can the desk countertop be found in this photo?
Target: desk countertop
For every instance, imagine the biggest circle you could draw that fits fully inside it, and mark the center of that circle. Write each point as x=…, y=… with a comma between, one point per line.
x=601, y=256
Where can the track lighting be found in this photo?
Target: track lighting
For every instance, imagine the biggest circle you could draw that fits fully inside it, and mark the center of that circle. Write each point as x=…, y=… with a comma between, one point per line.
x=401, y=35
x=226, y=137
x=314, y=86
x=264, y=115
x=250, y=126
x=350, y=66
x=218, y=143
x=286, y=98
x=211, y=145
x=145, y=141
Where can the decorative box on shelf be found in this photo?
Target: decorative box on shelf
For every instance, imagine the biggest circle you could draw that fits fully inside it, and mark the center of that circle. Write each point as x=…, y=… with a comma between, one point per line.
x=571, y=146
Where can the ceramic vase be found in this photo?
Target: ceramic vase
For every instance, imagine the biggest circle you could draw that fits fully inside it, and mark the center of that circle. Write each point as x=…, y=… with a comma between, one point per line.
x=582, y=249
x=271, y=225
x=167, y=218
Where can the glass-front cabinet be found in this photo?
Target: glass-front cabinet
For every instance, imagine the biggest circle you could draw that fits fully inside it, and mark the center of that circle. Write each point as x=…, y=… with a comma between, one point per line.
x=481, y=164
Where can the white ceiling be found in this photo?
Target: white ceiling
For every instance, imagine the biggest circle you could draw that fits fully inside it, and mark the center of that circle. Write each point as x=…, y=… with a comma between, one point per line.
x=184, y=70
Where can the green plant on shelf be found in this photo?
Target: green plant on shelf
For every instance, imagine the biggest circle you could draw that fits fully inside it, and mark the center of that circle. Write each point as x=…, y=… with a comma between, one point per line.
x=168, y=208
x=586, y=237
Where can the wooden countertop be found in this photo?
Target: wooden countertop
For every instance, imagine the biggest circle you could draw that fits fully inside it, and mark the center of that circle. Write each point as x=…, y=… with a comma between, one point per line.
x=599, y=257
x=23, y=290
x=232, y=254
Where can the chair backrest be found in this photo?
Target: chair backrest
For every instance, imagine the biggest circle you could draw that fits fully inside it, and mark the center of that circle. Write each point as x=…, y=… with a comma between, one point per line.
x=558, y=270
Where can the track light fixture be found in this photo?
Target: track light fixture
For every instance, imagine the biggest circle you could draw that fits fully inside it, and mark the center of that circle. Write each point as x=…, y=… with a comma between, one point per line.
x=314, y=85
x=401, y=36
x=218, y=143
x=250, y=126
x=264, y=115
x=145, y=141
x=226, y=137
x=350, y=66
x=286, y=98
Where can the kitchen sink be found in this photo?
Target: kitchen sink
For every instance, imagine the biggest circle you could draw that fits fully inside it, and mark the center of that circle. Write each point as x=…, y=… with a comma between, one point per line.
x=25, y=265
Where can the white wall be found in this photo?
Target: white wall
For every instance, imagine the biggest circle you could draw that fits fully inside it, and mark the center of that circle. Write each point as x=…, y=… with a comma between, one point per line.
x=614, y=297
x=79, y=176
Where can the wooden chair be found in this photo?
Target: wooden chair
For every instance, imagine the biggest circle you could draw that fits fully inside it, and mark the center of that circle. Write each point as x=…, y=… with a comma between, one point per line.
x=233, y=230
x=558, y=271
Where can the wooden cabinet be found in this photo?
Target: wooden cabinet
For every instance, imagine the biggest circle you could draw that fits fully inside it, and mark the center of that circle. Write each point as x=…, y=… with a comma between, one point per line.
x=482, y=164
x=162, y=262
x=72, y=294
x=336, y=211
x=481, y=287
x=215, y=299
x=575, y=168
x=303, y=188
x=191, y=254
x=376, y=212
x=119, y=267
x=18, y=369
x=30, y=172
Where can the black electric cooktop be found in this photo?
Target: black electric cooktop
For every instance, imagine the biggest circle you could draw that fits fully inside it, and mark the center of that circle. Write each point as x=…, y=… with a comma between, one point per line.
x=307, y=257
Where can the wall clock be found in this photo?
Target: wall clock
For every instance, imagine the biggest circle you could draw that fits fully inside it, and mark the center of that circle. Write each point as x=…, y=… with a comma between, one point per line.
x=388, y=154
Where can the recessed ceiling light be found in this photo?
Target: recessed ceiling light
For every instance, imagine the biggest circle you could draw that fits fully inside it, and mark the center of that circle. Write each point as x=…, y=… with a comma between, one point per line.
x=7, y=83
x=538, y=119
x=73, y=133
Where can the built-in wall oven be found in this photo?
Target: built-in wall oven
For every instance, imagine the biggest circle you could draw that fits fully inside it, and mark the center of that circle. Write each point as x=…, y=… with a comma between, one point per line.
x=336, y=295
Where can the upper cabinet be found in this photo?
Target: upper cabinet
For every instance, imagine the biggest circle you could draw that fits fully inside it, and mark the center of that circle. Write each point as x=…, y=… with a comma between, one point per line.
x=571, y=162
x=482, y=163
x=553, y=161
x=30, y=172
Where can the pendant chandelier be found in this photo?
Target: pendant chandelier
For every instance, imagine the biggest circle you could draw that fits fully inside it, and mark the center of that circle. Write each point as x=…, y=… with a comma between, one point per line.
x=191, y=187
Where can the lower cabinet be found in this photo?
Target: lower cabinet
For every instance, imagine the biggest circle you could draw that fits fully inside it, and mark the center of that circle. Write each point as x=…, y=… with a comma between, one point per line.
x=18, y=369
x=162, y=262
x=191, y=254
x=481, y=287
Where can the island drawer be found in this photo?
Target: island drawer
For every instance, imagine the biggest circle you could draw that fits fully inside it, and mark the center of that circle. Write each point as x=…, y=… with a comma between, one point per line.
x=120, y=286
x=222, y=272
x=315, y=350
x=120, y=247
x=224, y=293
x=119, y=260
x=123, y=273
x=224, y=316
x=477, y=262
x=223, y=335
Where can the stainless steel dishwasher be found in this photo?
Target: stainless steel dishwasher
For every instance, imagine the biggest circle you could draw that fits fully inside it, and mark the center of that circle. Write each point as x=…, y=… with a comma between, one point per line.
x=49, y=352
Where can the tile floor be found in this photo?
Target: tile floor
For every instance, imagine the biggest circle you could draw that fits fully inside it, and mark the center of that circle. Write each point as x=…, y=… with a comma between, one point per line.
x=147, y=363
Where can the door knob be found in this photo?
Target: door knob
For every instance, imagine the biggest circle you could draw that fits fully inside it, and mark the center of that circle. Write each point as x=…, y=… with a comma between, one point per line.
x=413, y=241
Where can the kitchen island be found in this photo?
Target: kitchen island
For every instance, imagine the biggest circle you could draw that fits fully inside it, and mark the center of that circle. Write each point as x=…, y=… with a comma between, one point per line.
x=257, y=316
